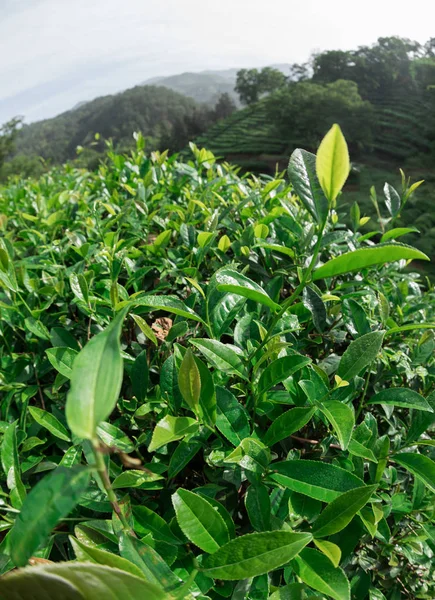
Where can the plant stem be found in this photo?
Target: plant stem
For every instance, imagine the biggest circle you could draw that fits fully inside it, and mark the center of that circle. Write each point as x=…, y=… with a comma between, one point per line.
x=102, y=471
x=361, y=402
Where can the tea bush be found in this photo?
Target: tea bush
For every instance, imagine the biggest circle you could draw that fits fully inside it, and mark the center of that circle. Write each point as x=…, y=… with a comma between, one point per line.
x=211, y=387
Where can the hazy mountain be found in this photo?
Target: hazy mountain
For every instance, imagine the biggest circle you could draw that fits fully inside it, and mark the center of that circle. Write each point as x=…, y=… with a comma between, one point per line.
x=205, y=86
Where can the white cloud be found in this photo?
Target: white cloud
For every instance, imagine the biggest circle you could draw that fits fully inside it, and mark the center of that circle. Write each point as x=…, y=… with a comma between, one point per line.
x=55, y=53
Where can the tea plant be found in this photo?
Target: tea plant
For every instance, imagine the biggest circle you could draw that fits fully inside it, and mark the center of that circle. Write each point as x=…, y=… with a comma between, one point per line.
x=211, y=388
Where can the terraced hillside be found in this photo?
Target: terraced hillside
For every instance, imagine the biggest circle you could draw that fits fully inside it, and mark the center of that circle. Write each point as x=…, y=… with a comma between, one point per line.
x=401, y=133
x=246, y=137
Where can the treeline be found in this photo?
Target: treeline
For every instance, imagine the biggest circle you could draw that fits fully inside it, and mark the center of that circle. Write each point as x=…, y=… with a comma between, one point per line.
x=383, y=95
x=166, y=118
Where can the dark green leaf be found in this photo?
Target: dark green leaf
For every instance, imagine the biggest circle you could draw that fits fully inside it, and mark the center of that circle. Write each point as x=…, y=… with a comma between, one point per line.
x=50, y=500
x=367, y=257
x=316, y=479
x=254, y=554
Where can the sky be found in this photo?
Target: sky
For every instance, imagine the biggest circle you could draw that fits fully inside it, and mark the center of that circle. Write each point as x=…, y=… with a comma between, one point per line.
x=57, y=53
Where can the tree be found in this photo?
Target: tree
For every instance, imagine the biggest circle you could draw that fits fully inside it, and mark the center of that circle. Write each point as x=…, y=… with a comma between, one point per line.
x=303, y=111
x=225, y=106
x=8, y=134
x=251, y=84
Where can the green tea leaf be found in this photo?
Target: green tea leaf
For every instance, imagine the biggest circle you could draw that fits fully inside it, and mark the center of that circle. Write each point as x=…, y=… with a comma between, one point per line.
x=332, y=551
x=313, y=478
x=207, y=397
x=232, y=419
x=49, y=421
x=169, y=429
x=288, y=423
x=279, y=370
x=303, y=177
x=199, y=521
x=393, y=234
x=229, y=280
x=76, y=581
x=170, y=304
x=87, y=553
x=52, y=498
x=148, y=521
x=222, y=356
x=317, y=571
x=189, y=380
x=404, y=397
x=257, y=503
x=254, y=554
x=392, y=200
x=96, y=381
x=360, y=354
x=332, y=163
x=342, y=419
x=367, y=257
x=145, y=328
x=339, y=513
x=420, y=466
x=11, y=465
x=62, y=359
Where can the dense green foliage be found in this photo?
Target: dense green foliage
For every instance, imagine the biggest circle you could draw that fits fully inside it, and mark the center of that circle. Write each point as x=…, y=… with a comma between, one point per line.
x=211, y=387
x=166, y=118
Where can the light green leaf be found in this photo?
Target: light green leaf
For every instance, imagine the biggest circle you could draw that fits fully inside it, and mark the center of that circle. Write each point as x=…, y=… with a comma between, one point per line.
x=49, y=421
x=207, y=398
x=147, y=521
x=169, y=429
x=229, y=280
x=199, y=521
x=113, y=436
x=145, y=328
x=62, y=359
x=96, y=381
x=52, y=498
x=392, y=200
x=332, y=551
x=367, y=257
x=360, y=354
x=303, y=177
x=404, y=397
x=397, y=232
x=232, y=419
x=317, y=571
x=279, y=370
x=170, y=304
x=222, y=356
x=93, y=554
x=332, y=163
x=152, y=565
x=254, y=554
x=204, y=238
x=342, y=419
x=420, y=466
x=11, y=465
x=339, y=513
x=76, y=581
x=358, y=449
x=287, y=423
x=189, y=380
x=136, y=479
x=313, y=478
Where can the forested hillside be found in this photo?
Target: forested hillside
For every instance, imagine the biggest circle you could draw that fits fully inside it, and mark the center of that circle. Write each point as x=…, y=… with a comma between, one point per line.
x=151, y=110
